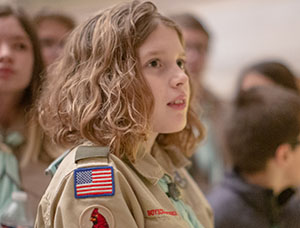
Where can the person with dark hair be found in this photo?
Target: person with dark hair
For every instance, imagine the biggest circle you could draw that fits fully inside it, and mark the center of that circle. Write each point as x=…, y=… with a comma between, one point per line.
x=197, y=38
x=262, y=135
x=53, y=28
x=268, y=72
x=208, y=162
x=119, y=97
x=23, y=152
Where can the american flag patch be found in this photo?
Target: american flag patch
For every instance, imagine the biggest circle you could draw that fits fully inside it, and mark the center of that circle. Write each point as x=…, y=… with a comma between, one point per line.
x=93, y=182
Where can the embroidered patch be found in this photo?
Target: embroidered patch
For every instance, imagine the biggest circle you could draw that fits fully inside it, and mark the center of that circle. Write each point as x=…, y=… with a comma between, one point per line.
x=93, y=182
x=96, y=217
x=161, y=212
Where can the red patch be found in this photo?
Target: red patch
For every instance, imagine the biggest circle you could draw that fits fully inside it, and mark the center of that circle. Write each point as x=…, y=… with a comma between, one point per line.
x=161, y=212
x=98, y=220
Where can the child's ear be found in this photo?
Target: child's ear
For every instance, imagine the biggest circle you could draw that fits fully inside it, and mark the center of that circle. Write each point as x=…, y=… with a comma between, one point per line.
x=282, y=154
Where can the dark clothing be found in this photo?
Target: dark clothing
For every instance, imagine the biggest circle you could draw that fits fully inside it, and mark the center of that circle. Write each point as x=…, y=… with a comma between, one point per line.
x=237, y=204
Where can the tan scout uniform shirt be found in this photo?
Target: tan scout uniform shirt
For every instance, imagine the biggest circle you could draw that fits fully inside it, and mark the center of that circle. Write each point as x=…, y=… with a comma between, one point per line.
x=138, y=200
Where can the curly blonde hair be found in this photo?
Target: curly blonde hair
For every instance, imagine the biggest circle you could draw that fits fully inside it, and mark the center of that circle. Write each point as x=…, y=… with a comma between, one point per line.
x=96, y=91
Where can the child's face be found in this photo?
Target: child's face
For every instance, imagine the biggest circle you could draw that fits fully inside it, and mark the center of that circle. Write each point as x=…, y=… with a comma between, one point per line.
x=162, y=59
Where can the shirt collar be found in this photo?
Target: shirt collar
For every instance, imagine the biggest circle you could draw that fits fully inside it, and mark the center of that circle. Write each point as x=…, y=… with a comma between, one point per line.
x=154, y=165
x=259, y=197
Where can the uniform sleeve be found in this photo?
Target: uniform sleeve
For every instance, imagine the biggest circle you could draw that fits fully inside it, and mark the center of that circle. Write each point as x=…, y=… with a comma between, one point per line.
x=63, y=208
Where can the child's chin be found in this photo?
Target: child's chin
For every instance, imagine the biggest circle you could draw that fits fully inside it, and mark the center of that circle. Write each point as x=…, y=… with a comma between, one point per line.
x=175, y=130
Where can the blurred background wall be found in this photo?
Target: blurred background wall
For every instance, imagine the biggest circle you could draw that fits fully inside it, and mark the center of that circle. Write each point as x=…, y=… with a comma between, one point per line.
x=243, y=31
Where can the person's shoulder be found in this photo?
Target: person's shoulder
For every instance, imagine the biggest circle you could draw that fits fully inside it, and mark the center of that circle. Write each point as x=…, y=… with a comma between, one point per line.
x=292, y=206
x=291, y=211
x=85, y=171
x=77, y=161
x=225, y=204
x=220, y=195
x=225, y=199
x=88, y=180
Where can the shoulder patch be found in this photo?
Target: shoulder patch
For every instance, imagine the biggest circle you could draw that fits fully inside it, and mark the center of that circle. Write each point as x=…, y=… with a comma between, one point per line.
x=94, y=182
x=97, y=217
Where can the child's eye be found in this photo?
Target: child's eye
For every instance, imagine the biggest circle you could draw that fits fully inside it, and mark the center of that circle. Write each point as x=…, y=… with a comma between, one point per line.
x=154, y=63
x=181, y=63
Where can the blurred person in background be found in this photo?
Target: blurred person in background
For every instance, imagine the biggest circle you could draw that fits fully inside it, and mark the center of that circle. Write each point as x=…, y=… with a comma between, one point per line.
x=53, y=28
x=197, y=41
x=268, y=72
x=264, y=73
x=208, y=161
x=262, y=135
x=23, y=154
